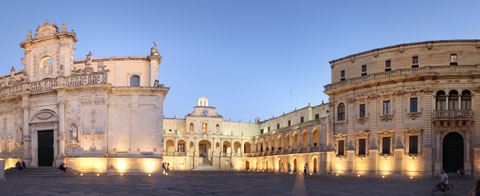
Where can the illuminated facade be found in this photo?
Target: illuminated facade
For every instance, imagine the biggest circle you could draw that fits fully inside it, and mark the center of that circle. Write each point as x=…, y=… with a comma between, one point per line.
x=92, y=114
x=204, y=141
x=407, y=109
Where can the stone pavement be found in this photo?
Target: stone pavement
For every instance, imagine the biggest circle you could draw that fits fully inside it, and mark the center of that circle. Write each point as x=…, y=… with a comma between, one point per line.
x=224, y=183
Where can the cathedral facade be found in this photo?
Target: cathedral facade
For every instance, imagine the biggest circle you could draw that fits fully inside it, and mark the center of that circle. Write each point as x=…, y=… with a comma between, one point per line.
x=91, y=114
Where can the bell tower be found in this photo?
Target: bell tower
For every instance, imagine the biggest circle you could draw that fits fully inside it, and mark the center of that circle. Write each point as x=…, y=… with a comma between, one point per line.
x=49, y=53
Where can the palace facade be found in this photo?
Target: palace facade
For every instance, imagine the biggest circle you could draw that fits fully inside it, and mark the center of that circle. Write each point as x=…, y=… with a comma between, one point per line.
x=407, y=109
x=91, y=114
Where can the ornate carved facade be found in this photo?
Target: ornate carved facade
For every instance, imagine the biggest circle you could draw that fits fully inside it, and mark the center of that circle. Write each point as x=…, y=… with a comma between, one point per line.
x=88, y=109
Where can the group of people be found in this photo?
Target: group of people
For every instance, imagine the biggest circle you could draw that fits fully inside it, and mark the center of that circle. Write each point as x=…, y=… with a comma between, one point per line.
x=20, y=165
x=289, y=168
x=165, y=168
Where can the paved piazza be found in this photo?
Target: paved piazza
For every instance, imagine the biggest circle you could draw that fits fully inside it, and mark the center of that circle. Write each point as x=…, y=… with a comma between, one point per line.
x=225, y=183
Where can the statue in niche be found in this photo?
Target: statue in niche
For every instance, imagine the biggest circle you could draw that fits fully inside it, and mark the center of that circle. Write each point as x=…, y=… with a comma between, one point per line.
x=73, y=133
x=19, y=137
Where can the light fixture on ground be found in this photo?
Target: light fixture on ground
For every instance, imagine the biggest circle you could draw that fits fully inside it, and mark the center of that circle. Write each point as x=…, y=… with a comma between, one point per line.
x=358, y=175
x=383, y=176
x=98, y=174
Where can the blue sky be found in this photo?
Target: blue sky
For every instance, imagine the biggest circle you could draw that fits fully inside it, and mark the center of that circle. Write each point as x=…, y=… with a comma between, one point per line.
x=250, y=58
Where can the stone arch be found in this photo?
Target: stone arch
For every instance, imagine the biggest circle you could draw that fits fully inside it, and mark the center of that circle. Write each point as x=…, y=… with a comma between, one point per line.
x=295, y=140
x=316, y=137
x=287, y=141
x=247, y=147
x=279, y=142
x=314, y=164
x=237, y=146
x=227, y=147
x=453, y=151
x=304, y=139
x=247, y=165
x=170, y=146
x=294, y=164
x=181, y=145
x=44, y=115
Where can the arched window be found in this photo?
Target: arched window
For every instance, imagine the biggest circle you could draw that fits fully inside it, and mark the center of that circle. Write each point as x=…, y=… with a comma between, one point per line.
x=453, y=100
x=466, y=100
x=341, y=112
x=441, y=101
x=191, y=127
x=135, y=80
x=217, y=128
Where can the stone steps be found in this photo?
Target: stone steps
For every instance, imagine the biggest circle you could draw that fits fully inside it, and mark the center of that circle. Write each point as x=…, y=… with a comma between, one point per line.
x=40, y=171
x=204, y=167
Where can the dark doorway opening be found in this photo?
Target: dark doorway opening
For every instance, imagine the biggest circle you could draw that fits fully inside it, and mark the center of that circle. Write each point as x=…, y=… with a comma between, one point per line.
x=453, y=152
x=45, y=148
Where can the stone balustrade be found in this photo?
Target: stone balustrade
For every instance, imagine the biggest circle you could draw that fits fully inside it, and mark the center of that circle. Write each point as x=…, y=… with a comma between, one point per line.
x=390, y=75
x=48, y=85
x=453, y=114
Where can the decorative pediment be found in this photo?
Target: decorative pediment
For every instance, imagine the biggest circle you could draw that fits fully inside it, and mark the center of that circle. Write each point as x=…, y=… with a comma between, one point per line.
x=385, y=132
x=362, y=134
x=46, y=30
x=412, y=131
x=44, y=115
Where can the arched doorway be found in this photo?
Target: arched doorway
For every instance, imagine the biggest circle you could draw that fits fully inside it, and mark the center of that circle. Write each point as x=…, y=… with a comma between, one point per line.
x=452, y=152
x=280, y=166
x=247, y=165
x=315, y=165
x=266, y=165
x=294, y=165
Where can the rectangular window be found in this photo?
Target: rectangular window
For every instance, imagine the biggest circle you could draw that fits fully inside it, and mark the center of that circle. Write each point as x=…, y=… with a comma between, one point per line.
x=388, y=65
x=386, y=145
x=453, y=59
x=362, y=144
x=341, y=147
x=415, y=62
x=261, y=131
x=289, y=123
x=278, y=125
x=364, y=70
x=268, y=129
x=342, y=75
x=317, y=116
x=413, y=104
x=301, y=119
x=413, y=144
x=386, y=107
x=362, y=110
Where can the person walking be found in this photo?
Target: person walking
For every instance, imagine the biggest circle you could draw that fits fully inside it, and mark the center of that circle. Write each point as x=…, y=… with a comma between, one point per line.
x=305, y=169
x=289, y=168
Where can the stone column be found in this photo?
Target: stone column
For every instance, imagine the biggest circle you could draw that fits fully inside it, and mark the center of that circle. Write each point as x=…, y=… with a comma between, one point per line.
x=427, y=130
x=399, y=148
x=372, y=150
x=61, y=128
x=27, y=156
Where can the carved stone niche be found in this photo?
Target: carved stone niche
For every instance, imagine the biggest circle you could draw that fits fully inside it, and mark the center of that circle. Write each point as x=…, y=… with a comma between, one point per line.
x=414, y=115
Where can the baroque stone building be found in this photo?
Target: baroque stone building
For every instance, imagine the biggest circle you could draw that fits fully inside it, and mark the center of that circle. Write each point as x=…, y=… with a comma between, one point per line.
x=407, y=109
x=91, y=114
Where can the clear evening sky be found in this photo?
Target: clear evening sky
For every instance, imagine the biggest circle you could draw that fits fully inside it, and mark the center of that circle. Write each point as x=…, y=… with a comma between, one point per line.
x=251, y=58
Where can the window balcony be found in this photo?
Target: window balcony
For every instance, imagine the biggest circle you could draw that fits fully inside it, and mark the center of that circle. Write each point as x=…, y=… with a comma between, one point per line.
x=453, y=114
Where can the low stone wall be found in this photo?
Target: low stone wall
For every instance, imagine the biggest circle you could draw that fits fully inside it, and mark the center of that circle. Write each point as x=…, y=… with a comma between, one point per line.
x=114, y=165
